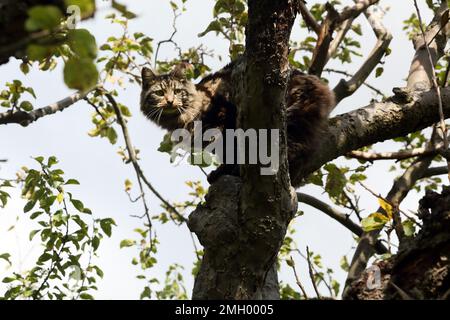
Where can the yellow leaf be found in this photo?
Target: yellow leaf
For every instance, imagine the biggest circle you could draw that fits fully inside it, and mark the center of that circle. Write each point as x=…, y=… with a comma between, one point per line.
x=60, y=197
x=128, y=185
x=386, y=207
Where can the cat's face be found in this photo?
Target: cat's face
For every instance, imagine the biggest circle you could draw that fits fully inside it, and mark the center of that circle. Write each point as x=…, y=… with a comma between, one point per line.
x=166, y=97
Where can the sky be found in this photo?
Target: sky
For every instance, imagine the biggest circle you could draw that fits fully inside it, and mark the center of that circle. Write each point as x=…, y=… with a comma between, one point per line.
x=95, y=163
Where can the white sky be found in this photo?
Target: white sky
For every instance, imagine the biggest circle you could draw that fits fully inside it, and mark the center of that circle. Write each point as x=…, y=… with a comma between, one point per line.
x=100, y=170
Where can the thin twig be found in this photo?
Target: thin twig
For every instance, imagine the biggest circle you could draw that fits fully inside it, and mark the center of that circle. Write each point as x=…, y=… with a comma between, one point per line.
x=436, y=86
x=311, y=274
x=379, y=196
x=134, y=161
x=297, y=279
x=170, y=39
x=398, y=155
x=347, y=74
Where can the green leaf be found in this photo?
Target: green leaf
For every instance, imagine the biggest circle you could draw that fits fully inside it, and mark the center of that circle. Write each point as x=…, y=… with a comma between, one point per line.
x=82, y=43
x=123, y=10
x=112, y=135
x=5, y=256
x=95, y=243
x=166, y=145
x=45, y=257
x=80, y=74
x=8, y=280
x=30, y=205
x=72, y=181
x=43, y=17
x=78, y=205
x=86, y=296
x=213, y=26
x=146, y=293
x=52, y=161
x=105, y=224
x=26, y=106
x=36, y=52
x=24, y=67
x=32, y=234
x=409, y=227
x=127, y=243
x=374, y=221
x=379, y=71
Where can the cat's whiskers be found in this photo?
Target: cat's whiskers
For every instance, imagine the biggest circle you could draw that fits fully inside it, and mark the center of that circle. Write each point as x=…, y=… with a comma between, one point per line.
x=159, y=116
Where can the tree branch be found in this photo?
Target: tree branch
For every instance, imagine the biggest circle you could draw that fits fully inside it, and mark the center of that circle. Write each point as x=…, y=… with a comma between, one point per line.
x=379, y=121
x=25, y=118
x=384, y=37
x=310, y=21
x=399, y=155
x=338, y=216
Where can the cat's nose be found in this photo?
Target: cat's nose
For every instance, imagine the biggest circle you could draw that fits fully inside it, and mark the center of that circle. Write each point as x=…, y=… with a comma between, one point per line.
x=169, y=100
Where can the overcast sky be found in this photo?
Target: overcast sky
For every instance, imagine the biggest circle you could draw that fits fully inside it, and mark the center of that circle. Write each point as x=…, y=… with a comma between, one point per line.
x=95, y=163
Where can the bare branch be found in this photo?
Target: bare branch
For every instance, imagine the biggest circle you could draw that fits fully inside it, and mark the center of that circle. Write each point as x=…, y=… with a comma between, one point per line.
x=311, y=273
x=25, y=118
x=338, y=216
x=384, y=37
x=297, y=279
x=310, y=21
x=398, y=155
x=435, y=171
x=356, y=10
x=347, y=74
x=138, y=169
x=435, y=83
x=326, y=46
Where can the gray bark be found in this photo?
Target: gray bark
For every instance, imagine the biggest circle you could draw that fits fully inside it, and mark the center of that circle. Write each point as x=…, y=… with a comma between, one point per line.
x=245, y=220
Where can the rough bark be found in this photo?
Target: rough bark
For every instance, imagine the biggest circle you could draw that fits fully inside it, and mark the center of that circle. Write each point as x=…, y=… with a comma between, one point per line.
x=244, y=221
x=421, y=268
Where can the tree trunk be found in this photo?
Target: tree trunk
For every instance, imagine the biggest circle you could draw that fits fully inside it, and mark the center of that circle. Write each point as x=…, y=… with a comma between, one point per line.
x=244, y=220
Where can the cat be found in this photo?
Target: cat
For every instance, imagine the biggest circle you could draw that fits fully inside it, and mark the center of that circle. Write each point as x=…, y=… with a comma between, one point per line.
x=172, y=102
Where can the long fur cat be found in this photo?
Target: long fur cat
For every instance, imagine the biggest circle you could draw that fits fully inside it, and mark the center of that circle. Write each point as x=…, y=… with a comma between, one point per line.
x=172, y=102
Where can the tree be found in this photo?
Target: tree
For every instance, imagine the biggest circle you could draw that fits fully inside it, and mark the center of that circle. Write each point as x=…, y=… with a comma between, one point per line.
x=243, y=221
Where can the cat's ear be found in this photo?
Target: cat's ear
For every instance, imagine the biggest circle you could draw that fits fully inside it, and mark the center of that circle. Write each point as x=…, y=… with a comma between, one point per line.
x=147, y=77
x=179, y=71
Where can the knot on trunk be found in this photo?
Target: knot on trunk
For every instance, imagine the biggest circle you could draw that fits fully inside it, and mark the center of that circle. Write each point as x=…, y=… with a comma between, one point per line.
x=216, y=222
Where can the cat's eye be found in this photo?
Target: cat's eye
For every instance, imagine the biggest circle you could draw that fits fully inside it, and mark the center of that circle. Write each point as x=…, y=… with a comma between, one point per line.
x=177, y=91
x=159, y=92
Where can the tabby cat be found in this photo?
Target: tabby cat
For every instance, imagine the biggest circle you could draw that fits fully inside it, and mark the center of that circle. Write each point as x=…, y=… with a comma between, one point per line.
x=172, y=101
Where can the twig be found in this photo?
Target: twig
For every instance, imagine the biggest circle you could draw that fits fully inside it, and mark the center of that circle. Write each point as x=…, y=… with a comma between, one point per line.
x=384, y=37
x=394, y=207
x=311, y=273
x=338, y=216
x=134, y=161
x=347, y=74
x=170, y=39
x=436, y=86
x=398, y=155
x=297, y=279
